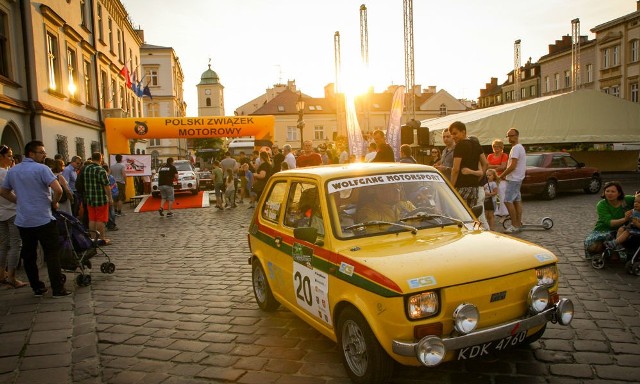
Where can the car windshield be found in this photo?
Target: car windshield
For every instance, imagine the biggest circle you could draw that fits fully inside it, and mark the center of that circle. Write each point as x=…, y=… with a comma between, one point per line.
x=534, y=160
x=181, y=167
x=395, y=202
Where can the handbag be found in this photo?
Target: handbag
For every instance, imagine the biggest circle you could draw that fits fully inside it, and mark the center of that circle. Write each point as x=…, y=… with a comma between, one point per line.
x=488, y=201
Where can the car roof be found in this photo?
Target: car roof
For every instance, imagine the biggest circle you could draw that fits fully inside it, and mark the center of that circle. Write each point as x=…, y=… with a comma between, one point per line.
x=351, y=169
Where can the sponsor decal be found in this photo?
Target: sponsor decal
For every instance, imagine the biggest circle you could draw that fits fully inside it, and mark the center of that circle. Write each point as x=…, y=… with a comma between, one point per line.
x=357, y=182
x=347, y=269
x=420, y=282
x=542, y=257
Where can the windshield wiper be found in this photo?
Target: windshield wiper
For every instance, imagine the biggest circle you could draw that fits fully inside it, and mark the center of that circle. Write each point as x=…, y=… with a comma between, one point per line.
x=431, y=216
x=411, y=228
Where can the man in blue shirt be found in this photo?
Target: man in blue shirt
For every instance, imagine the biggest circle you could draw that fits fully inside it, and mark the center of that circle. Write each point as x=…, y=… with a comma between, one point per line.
x=30, y=182
x=70, y=173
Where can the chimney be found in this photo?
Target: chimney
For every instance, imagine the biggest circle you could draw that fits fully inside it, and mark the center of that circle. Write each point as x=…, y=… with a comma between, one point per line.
x=140, y=33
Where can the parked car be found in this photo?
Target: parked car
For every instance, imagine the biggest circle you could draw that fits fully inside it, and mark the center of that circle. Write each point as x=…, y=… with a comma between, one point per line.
x=551, y=172
x=422, y=289
x=206, y=180
x=188, y=179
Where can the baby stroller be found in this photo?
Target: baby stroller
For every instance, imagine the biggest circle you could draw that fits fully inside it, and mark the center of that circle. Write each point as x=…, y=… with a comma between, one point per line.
x=77, y=247
x=629, y=254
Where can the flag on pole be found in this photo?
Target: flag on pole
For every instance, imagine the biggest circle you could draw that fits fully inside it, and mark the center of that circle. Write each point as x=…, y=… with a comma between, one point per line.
x=134, y=83
x=125, y=72
x=393, y=129
x=354, y=135
x=146, y=91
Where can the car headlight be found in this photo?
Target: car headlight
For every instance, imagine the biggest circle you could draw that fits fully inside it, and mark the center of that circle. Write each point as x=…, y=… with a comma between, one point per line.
x=431, y=351
x=466, y=318
x=538, y=299
x=189, y=177
x=547, y=275
x=422, y=305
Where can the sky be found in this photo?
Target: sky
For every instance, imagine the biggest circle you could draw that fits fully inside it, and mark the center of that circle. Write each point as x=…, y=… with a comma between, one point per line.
x=458, y=44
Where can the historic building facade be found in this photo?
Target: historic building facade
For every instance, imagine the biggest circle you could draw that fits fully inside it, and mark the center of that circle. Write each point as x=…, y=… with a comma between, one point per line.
x=63, y=71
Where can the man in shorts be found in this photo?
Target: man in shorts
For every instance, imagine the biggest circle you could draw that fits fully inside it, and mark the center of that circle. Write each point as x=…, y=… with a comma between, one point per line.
x=97, y=195
x=514, y=174
x=167, y=174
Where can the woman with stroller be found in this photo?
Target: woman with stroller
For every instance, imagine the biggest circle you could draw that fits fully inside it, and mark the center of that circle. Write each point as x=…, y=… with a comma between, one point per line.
x=614, y=210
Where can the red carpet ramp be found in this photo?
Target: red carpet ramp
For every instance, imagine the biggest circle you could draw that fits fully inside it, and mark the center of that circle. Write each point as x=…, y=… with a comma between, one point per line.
x=182, y=201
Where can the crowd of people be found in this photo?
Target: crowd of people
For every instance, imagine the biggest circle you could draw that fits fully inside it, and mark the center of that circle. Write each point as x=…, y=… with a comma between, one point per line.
x=32, y=189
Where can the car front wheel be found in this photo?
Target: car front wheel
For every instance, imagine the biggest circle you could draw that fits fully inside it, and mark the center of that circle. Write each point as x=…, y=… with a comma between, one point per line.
x=594, y=185
x=550, y=190
x=362, y=355
x=261, y=289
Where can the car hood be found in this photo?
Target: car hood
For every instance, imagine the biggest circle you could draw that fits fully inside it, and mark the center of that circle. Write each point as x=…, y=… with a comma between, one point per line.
x=446, y=259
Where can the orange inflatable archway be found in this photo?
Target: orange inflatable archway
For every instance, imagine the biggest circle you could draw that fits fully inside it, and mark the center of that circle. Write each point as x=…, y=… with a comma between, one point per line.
x=120, y=130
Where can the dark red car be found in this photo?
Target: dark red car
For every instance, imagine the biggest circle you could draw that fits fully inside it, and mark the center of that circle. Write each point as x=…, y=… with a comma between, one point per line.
x=551, y=172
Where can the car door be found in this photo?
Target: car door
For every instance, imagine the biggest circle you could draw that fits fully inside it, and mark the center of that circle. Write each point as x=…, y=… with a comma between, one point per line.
x=579, y=178
x=561, y=172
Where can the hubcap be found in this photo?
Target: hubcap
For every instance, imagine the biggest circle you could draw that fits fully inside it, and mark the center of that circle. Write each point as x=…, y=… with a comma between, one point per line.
x=354, y=347
x=258, y=285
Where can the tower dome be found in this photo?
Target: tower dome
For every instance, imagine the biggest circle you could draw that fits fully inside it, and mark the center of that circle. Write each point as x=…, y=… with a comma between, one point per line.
x=209, y=77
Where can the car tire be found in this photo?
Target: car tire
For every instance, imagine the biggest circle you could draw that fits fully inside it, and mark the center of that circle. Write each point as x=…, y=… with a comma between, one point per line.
x=261, y=290
x=550, y=190
x=594, y=185
x=362, y=355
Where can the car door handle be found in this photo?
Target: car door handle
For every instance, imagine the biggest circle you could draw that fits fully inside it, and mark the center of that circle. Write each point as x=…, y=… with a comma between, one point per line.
x=278, y=241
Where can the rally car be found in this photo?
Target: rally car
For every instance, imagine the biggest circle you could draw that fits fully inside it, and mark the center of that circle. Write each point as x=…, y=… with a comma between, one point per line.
x=387, y=260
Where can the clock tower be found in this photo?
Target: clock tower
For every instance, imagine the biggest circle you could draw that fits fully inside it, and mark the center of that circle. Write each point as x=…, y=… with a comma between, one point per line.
x=210, y=94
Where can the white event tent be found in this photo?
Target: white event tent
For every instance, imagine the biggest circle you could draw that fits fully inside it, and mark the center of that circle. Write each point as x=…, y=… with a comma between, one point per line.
x=584, y=116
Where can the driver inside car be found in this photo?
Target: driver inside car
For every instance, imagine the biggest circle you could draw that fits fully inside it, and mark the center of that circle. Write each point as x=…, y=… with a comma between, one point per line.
x=383, y=203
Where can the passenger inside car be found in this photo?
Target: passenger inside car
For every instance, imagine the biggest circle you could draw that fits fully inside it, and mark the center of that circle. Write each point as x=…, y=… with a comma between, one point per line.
x=310, y=211
x=384, y=202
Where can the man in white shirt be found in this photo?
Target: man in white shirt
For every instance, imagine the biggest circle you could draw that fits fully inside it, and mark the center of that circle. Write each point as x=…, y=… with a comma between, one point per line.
x=288, y=156
x=514, y=174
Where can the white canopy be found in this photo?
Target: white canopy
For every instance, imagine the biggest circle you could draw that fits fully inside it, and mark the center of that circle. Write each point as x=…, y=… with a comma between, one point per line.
x=584, y=116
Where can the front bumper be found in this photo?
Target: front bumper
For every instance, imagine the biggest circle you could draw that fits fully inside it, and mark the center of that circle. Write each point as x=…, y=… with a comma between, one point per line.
x=481, y=336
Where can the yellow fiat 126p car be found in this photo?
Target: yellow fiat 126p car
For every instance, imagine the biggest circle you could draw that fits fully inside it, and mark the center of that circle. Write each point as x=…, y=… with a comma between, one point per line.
x=386, y=260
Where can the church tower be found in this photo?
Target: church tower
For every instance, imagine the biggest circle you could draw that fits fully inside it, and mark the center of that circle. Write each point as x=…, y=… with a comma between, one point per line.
x=210, y=94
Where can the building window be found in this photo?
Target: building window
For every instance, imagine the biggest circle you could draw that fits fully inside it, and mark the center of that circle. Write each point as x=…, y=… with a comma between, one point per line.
x=443, y=110
x=547, y=84
x=88, y=81
x=83, y=13
x=532, y=90
x=634, y=92
x=635, y=48
x=318, y=132
x=52, y=61
x=104, y=89
x=80, y=148
x=523, y=75
x=615, y=53
x=119, y=38
x=72, y=72
x=567, y=79
x=292, y=133
x=110, y=32
x=100, y=25
x=605, y=58
x=62, y=147
x=557, y=81
x=499, y=99
x=532, y=72
x=615, y=91
x=4, y=46
x=510, y=78
x=589, y=73
x=123, y=103
x=208, y=102
x=152, y=75
x=154, y=142
x=112, y=96
x=153, y=110
x=523, y=93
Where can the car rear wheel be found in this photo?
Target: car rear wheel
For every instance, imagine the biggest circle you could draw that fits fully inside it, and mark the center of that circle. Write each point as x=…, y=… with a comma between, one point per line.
x=594, y=185
x=261, y=289
x=550, y=190
x=363, y=357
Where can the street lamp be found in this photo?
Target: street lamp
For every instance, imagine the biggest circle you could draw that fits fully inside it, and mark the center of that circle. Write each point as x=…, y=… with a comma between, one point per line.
x=300, y=108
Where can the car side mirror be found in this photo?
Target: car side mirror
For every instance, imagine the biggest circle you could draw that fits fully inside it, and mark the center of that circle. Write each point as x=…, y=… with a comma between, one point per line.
x=308, y=234
x=477, y=210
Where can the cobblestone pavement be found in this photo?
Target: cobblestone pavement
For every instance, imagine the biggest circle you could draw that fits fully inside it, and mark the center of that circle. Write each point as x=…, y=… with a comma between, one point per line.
x=180, y=309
